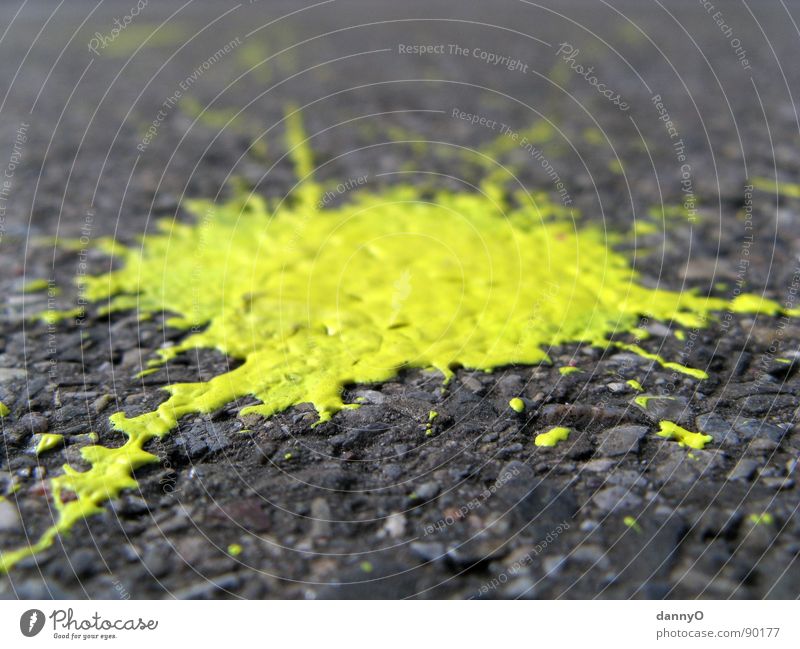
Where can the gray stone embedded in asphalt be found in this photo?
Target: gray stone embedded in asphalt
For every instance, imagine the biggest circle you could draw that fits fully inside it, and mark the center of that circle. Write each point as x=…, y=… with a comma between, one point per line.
x=9, y=517
x=616, y=498
x=744, y=469
x=621, y=440
x=752, y=428
x=427, y=490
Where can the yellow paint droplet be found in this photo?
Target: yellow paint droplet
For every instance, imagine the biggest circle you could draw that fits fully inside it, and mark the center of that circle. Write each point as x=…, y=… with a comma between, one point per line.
x=234, y=549
x=4, y=410
x=429, y=426
x=671, y=430
x=54, y=316
x=366, y=566
x=48, y=441
x=517, y=404
x=642, y=227
x=630, y=521
x=311, y=298
x=552, y=437
x=761, y=519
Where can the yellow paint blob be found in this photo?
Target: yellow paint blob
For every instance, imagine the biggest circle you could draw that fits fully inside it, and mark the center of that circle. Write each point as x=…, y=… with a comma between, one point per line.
x=635, y=385
x=517, y=404
x=552, y=437
x=311, y=299
x=4, y=411
x=48, y=442
x=568, y=369
x=761, y=519
x=429, y=427
x=234, y=549
x=671, y=430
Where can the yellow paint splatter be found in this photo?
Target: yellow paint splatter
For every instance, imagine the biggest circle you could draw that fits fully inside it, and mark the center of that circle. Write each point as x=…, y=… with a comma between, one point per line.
x=552, y=437
x=429, y=426
x=761, y=519
x=671, y=430
x=517, y=404
x=234, y=549
x=4, y=410
x=568, y=369
x=635, y=385
x=306, y=297
x=643, y=228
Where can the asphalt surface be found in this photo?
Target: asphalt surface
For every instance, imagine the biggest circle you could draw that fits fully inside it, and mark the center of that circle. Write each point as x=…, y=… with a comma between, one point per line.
x=94, y=142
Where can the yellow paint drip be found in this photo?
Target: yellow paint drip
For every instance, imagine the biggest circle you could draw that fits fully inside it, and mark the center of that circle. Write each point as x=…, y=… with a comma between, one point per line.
x=429, y=427
x=552, y=437
x=311, y=299
x=631, y=522
x=517, y=404
x=48, y=442
x=671, y=430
